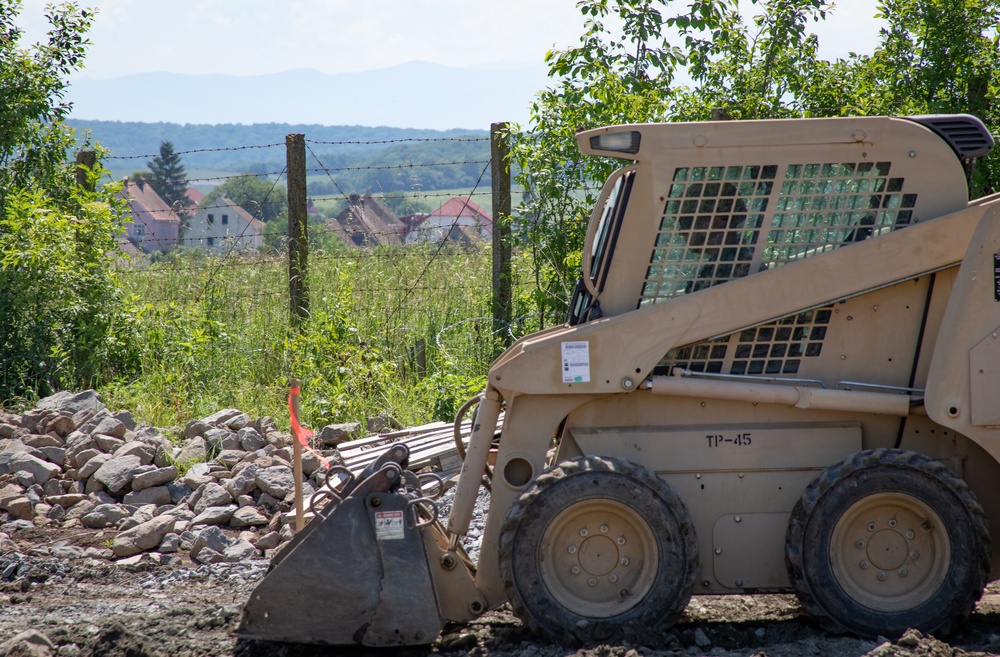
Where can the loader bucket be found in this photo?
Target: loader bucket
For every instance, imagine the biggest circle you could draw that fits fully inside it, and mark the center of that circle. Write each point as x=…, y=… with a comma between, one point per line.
x=357, y=574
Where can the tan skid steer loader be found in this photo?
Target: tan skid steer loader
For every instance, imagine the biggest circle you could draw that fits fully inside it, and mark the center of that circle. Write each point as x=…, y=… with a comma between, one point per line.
x=781, y=372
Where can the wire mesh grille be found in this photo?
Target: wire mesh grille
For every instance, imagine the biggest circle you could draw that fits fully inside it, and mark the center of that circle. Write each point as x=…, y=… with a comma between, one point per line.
x=770, y=349
x=824, y=206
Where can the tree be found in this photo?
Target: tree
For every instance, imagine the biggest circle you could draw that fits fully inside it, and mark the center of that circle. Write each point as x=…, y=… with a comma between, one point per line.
x=64, y=317
x=933, y=56
x=262, y=199
x=609, y=78
x=168, y=178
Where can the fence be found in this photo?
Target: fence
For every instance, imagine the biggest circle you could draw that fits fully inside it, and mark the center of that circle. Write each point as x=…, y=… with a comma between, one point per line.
x=431, y=288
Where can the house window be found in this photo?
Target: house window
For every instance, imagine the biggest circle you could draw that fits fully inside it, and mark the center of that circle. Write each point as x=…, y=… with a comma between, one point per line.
x=225, y=219
x=211, y=241
x=139, y=230
x=211, y=219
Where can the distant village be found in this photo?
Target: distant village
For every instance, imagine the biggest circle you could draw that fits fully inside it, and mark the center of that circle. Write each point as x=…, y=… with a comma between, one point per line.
x=224, y=227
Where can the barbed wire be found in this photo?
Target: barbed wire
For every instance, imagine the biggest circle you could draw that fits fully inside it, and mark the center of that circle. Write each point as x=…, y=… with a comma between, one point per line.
x=394, y=141
x=196, y=150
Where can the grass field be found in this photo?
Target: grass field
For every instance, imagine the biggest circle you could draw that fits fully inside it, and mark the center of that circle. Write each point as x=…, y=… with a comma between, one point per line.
x=217, y=333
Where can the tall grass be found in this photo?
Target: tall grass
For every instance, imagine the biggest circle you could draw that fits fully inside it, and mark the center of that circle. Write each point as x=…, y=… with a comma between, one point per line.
x=216, y=333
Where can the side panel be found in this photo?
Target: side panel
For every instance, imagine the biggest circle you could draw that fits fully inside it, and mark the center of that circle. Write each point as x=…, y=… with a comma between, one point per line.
x=739, y=482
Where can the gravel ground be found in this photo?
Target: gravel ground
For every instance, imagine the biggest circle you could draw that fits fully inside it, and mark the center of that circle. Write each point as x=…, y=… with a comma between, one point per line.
x=179, y=608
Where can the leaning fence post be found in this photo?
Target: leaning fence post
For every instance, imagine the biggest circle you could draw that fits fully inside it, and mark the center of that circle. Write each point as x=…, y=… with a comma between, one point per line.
x=298, y=227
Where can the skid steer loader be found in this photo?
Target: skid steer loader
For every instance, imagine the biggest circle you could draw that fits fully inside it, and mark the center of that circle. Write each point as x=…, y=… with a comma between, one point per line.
x=780, y=373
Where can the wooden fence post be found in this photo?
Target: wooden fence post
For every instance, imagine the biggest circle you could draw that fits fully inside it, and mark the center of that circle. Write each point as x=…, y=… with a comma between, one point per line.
x=500, y=178
x=298, y=228
x=85, y=161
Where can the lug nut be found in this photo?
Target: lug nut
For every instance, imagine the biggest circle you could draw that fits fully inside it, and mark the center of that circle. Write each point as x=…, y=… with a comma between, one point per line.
x=624, y=561
x=860, y=544
x=571, y=549
x=872, y=526
x=592, y=581
x=909, y=534
x=882, y=576
x=584, y=532
x=892, y=522
x=864, y=564
x=902, y=572
x=575, y=570
x=604, y=529
x=914, y=555
x=612, y=578
x=620, y=540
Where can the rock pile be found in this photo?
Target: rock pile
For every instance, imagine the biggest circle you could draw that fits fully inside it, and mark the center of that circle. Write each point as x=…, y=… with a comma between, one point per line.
x=70, y=462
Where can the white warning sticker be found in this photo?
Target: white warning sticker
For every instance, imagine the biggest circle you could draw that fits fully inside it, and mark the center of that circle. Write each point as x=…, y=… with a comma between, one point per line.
x=388, y=525
x=575, y=362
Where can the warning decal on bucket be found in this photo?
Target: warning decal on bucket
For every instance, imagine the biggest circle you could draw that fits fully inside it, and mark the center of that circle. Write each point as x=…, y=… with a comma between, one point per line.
x=388, y=525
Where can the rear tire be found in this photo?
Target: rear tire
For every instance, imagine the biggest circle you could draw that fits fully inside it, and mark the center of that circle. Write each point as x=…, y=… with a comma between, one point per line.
x=888, y=540
x=597, y=544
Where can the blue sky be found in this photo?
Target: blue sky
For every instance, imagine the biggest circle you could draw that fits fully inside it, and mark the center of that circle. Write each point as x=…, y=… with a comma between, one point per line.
x=249, y=37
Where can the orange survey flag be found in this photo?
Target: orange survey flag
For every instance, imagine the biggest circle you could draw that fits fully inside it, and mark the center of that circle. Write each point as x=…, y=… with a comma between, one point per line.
x=300, y=432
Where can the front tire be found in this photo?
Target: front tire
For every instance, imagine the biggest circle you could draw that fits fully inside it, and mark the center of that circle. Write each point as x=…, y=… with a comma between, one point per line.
x=888, y=540
x=597, y=544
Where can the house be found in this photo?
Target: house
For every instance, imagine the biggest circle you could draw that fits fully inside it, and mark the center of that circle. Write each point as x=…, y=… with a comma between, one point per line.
x=458, y=220
x=367, y=222
x=155, y=226
x=223, y=226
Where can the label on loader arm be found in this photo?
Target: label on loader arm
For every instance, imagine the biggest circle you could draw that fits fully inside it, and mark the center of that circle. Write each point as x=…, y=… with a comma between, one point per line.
x=576, y=362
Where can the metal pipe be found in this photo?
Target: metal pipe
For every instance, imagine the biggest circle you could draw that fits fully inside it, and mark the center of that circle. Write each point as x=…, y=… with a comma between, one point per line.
x=474, y=464
x=797, y=396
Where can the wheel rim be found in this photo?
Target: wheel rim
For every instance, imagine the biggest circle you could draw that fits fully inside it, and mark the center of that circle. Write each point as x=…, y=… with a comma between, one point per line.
x=598, y=558
x=890, y=552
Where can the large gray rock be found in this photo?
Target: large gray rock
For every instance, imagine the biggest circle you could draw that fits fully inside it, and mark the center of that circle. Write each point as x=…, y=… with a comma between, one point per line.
x=158, y=495
x=29, y=643
x=243, y=482
x=117, y=473
x=277, y=480
x=92, y=464
x=335, y=434
x=104, y=423
x=250, y=439
x=72, y=403
x=232, y=418
x=20, y=508
x=104, y=515
x=241, y=550
x=230, y=457
x=178, y=491
x=145, y=536
x=80, y=448
x=156, y=477
x=10, y=492
x=248, y=516
x=41, y=470
x=107, y=443
x=211, y=494
x=220, y=439
x=137, y=448
x=215, y=515
x=193, y=451
x=66, y=500
x=211, y=538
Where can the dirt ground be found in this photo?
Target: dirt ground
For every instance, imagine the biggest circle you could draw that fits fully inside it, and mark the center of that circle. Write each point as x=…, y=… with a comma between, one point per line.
x=182, y=609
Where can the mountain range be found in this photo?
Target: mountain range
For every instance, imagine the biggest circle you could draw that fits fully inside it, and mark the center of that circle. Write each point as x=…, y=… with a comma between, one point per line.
x=411, y=95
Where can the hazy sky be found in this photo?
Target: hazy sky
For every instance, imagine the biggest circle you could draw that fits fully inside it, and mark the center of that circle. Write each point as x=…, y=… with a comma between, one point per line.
x=248, y=37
